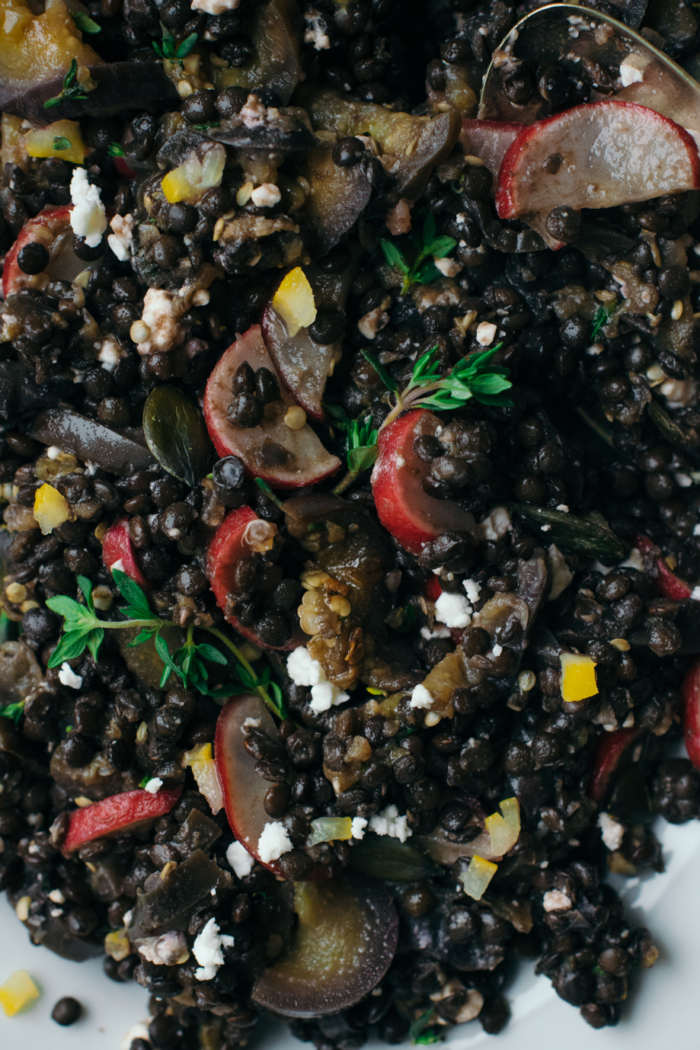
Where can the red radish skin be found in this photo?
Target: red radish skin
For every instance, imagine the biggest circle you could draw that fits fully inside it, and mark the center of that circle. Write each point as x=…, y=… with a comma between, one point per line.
x=117, y=546
x=690, y=694
x=404, y=508
x=600, y=155
x=116, y=813
x=52, y=228
x=226, y=549
x=489, y=140
x=607, y=756
x=670, y=585
x=311, y=462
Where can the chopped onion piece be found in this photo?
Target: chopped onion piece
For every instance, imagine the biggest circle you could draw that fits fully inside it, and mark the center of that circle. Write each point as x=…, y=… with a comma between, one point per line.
x=204, y=770
x=504, y=830
x=329, y=829
x=477, y=877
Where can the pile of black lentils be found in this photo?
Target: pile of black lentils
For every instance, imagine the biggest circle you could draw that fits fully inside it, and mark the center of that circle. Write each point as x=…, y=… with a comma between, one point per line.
x=601, y=445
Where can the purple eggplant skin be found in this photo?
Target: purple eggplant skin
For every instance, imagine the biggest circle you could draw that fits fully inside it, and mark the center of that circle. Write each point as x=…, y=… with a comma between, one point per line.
x=118, y=451
x=120, y=86
x=292, y=988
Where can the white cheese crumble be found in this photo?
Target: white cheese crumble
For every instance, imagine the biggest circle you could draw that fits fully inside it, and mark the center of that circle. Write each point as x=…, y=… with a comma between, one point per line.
x=164, y=331
x=439, y=632
x=164, y=950
x=266, y=196
x=314, y=32
x=497, y=650
x=473, y=589
x=153, y=786
x=88, y=217
x=207, y=950
x=612, y=831
x=357, y=828
x=497, y=524
x=304, y=670
x=632, y=69
x=273, y=842
x=388, y=822
x=214, y=7
x=485, y=333
x=373, y=322
x=555, y=900
x=110, y=353
x=453, y=610
x=635, y=561
x=121, y=240
x=448, y=267
x=421, y=697
x=240, y=859
x=326, y=695
x=68, y=677
x=254, y=112
x=253, y=723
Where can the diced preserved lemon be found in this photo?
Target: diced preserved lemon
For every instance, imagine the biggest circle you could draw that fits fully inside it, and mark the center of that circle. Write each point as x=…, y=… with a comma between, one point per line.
x=50, y=508
x=329, y=829
x=18, y=993
x=294, y=301
x=204, y=771
x=117, y=945
x=195, y=175
x=504, y=830
x=477, y=877
x=62, y=139
x=577, y=677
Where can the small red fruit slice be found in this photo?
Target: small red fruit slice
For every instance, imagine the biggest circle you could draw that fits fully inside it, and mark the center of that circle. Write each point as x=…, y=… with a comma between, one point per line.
x=608, y=755
x=404, y=508
x=285, y=458
x=116, y=813
x=489, y=140
x=597, y=155
x=227, y=548
x=670, y=585
x=52, y=228
x=118, y=548
x=690, y=693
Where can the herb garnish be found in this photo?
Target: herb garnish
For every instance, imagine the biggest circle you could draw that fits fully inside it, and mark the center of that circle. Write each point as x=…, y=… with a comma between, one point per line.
x=602, y=316
x=84, y=23
x=362, y=451
x=71, y=89
x=115, y=150
x=428, y=247
x=60, y=143
x=167, y=48
x=82, y=629
x=12, y=711
x=420, y=1033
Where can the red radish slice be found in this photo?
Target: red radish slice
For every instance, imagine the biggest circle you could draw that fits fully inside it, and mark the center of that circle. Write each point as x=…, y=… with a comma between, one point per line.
x=117, y=813
x=118, y=552
x=303, y=365
x=690, y=693
x=489, y=140
x=306, y=462
x=52, y=228
x=404, y=508
x=607, y=758
x=229, y=546
x=597, y=155
x=670, y=585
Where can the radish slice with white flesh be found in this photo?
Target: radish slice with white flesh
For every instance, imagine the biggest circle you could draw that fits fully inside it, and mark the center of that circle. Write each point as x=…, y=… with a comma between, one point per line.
x=404, y=508
x=238, y=537
x=347, y=935
x=499, y=836
x=595, y=156
x=283, y=457
x=489, y=141
x=52, y=229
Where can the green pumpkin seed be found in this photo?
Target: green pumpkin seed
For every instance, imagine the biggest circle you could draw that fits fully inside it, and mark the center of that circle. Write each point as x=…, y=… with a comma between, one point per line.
x=385, y=858
x=572, y=533
x=669, y=429
x=176, y=434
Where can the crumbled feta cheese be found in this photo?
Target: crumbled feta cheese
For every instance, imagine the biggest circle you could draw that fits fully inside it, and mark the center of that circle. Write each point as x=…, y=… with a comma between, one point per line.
x=128, y=916
x=634, y=561
x=57, y=897
x=439, y=632
x=214, y=7
x=88, y=217
x=373, y=322
x=164, y=331
x=388, y=822
x=357, y=828
x=253, y=723
x=137, y=1031
x=68, y=677
x=555, y=900
x=473, y=589
x=314, y=32
x=273, y=842
x=497, y=524
x=254, y=112
x=153, y=786
x=612, y=831
x=448, y=267
x=546, y=528
x=111, y=352
x=563, y=508
x=497, y=650
x=684, y=481
x=421, y=697
x=55, y=912
x=266, y=196
x=632, y=69
x=207, y=950
x=326, y=695
x=121, y=240
x=303, y=669
x=165, y=950
x=240, y=859
x=485, y=333
x=453, y=610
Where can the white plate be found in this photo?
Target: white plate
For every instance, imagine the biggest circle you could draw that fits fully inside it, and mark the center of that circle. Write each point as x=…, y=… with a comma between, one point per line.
x=662, y=1010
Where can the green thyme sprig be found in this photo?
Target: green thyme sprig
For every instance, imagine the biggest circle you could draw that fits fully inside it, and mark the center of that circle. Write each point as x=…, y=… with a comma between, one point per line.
x=419, y=1032
x=71, y=89
x=428, y=246
x=12, y=711
x=84, y=23
x=115, y=150
x=602, y=316
x=83, y=629
x=169, y=49
x=60, y=143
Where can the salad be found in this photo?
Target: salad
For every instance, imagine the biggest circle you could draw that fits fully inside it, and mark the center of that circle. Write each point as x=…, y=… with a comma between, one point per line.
x=350, y=453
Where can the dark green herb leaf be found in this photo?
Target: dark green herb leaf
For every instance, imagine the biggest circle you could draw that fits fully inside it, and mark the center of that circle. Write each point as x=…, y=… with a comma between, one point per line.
x=164, y=654
x=144, y=780
x=71, y=89
x=210, y=653
x=441, y=246
x=183, y=49
x=264, y=487
x=70, y=610
x=430, y=1035
x=60, y=143
x=600, y=320
x=115, y=150
x=84, y=23
x=394, y=257
x=86, y=587
x=381, y=371
x=129, y=589
x=13, y=711
x=176, y=434
x=427, y=272
x=72, y=644
x=361, y=459
x=420, y=1024
x=144, y=634
x=94, y=640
